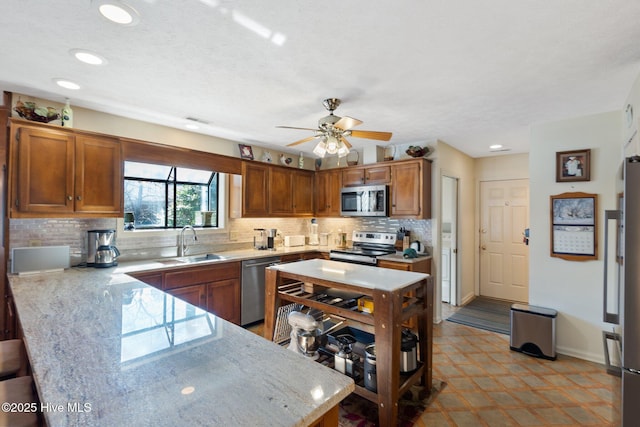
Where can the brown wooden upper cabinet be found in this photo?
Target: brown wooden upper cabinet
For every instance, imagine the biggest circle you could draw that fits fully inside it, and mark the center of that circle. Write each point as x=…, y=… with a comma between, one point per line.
x=271, y=190
x=410, y=190
x=369, y=175
x=57, y=172
x=328, y=184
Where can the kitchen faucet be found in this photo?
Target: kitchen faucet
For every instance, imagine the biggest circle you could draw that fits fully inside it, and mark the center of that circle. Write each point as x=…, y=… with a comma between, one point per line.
x=182, y=247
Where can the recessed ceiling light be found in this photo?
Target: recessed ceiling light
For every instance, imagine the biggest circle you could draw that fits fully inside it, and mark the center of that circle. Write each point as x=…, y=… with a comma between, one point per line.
x=495, y=146
x=88, y=57
x=67, y=84
x=191, y=126
x=118, y=12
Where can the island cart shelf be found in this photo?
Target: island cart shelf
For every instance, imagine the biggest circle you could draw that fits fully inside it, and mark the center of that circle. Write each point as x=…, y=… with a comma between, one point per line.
x=397, y=297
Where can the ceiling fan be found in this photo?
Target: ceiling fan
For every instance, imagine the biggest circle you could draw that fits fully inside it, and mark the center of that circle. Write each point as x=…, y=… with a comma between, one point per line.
x=333, y=130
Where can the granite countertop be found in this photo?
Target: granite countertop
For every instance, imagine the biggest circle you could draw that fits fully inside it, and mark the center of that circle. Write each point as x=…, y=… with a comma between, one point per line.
x=106, y=350
x=241, y=255
x=364, y=276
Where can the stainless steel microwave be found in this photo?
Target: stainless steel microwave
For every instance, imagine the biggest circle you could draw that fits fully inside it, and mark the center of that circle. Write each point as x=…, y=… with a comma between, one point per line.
x=367, y=200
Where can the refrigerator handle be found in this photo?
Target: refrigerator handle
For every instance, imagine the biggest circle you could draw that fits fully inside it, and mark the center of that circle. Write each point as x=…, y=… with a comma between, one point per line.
x=607, y=316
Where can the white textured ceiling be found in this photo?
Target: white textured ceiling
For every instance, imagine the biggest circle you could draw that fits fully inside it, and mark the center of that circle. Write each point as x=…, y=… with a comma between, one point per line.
x=469, y=73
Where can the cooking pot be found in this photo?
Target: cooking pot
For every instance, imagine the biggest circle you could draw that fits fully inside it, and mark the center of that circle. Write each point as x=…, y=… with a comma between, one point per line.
x=417, y=246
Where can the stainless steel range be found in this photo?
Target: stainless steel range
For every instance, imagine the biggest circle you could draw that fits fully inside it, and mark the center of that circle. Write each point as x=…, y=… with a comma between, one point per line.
x=367, y=247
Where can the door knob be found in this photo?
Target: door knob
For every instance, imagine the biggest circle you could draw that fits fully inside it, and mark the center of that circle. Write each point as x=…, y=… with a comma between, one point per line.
x=484, y=247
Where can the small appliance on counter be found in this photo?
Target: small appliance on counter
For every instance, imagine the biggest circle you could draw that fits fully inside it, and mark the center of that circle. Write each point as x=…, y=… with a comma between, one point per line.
x=260, y=239
x=290, y=241
x=101, y=249
x=313, y=233
x=271, y=238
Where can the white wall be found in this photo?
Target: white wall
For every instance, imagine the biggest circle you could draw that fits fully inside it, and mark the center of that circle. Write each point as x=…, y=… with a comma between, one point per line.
x=573, y=288
x=451, y=162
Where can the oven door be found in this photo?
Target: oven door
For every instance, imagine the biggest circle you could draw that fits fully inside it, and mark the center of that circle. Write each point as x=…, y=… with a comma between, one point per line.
x=364, y=201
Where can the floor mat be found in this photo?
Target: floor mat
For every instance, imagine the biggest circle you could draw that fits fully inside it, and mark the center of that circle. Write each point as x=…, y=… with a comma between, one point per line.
x=356, y=411
x=485, y=313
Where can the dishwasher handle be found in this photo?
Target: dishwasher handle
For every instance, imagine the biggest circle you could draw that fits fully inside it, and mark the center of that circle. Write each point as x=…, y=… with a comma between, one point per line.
x=259, y=262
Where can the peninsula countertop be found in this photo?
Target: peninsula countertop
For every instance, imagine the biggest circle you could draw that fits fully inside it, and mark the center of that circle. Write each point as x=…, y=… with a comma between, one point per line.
x=106, y=350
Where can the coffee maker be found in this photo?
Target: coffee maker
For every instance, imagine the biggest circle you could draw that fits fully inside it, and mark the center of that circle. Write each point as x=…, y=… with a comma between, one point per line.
x=101, y=249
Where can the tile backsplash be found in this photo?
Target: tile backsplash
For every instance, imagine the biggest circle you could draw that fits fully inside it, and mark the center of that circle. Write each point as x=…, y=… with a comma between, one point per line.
x=142, y=244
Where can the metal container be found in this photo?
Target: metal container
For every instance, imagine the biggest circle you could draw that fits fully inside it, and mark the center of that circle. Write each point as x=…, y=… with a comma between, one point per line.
x=370, y=378
x=408, y=347
x=271, y=236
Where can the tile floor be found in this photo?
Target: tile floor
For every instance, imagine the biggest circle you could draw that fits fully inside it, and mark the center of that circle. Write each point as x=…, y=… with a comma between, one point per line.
x=490, y=385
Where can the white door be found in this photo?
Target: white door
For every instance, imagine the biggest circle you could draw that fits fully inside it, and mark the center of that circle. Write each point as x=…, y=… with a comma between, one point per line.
x=449, y=239
x=504, y=257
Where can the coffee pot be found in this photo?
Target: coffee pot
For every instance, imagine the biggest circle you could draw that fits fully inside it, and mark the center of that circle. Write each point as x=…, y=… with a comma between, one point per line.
x=101, y=249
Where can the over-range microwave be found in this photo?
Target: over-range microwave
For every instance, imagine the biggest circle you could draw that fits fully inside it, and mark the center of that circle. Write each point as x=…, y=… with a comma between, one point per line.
x=367, y=200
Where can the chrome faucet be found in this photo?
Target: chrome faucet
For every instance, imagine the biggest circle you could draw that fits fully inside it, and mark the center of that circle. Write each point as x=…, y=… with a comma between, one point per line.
x=182, y=247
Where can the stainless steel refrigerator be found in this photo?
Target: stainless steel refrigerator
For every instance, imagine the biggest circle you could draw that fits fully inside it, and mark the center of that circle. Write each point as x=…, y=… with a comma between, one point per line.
x=622, y=294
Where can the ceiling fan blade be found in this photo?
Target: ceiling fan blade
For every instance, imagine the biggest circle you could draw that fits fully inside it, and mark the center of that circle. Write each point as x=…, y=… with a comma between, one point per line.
x=371, y=134
x=346, y=123
x=349, y=146
x=291, y=127
x=302, y=140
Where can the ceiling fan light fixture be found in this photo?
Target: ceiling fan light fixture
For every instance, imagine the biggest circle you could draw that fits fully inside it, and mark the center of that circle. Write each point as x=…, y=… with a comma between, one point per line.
x=321, y=149
x=332, y=144
x=343, y=150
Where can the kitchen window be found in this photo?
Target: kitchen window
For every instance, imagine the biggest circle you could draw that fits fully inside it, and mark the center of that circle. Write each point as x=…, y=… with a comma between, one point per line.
x=170, y=197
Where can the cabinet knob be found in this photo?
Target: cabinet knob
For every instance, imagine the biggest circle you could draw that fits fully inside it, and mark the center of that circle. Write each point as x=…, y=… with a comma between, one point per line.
x=78, y=197
x=69, y=197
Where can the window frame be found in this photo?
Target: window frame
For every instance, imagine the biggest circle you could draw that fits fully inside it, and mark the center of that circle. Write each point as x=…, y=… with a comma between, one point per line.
x=172, y=181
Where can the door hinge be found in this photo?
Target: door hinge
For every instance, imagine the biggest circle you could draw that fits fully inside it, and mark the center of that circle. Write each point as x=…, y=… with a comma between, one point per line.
x=17, y=203
x=18, y=135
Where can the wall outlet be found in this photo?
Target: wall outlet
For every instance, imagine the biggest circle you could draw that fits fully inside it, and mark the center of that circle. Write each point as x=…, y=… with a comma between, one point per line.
x=233, y=235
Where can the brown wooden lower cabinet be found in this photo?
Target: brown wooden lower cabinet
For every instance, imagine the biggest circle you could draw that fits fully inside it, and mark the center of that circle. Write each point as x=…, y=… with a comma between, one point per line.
x=419, y=265
x=223, y=299
x=194, y=295
x=212, y=287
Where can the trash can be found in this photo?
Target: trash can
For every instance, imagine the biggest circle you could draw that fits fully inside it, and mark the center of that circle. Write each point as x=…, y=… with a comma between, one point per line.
x=533, y=330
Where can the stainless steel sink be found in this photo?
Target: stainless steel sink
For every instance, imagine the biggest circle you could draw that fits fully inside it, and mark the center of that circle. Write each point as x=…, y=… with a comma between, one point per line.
x=200, y=258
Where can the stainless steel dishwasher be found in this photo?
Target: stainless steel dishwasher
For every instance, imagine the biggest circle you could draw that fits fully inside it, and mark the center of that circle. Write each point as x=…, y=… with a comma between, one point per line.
x=252, y=308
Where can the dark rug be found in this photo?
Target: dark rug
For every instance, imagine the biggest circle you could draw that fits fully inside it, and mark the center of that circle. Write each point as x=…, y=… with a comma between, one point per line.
x=356, y=411
x=485, y=313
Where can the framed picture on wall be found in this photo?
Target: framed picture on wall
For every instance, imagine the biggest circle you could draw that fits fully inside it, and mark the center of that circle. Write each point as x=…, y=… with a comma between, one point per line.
x=573, y=165
x=574, y=226
x=246, y=152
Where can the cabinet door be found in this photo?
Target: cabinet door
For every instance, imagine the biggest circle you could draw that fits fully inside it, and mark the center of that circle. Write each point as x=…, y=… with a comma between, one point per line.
x=303, y=192
x=45, y=171
x=255, y=185
x=377, y=175
x=409, y=195
x=223, y=299
x=352, y=177
x=328, y=184
x=194, y=295
x=98, y=178
x=150, y=278
x=280, y=191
